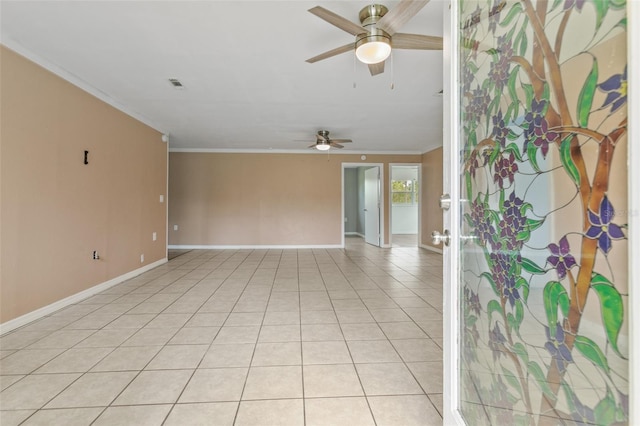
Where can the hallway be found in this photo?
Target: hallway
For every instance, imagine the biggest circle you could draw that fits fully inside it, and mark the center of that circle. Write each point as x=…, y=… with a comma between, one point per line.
x=244, y=337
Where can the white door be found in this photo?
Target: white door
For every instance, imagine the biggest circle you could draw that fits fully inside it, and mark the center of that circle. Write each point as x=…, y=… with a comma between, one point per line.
x=372, y=206
x=537, y=300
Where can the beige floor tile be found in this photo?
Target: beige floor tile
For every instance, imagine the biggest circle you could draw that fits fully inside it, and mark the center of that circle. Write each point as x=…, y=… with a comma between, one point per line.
x=93, y=321
x=62, y=339
x=289, y=353
x=273, y=383
x=207, y=320
x=75, y=360
x=21, y=338
x=363, y=331
x=194, y=336
x=389, y=315
x=387, y=379
x=244, y=318
x=215, y=385
x=151, y=337
x=134, y=321
x=321, y=332
x=331, y=381
x=164, y=320
x=406, y=410
x=325, y=353
x=127, y=358
x=27, y=360
x=106, y=338
x=337, y=411
x=318, y=317
x=34, y=391
x=402, y=330
x=64, y=416
x=238, y=334
x=93, y=390
x=178, y=357
x=280, y=333
x=415, y=350
x=14, y=418
x=284, y=412
x=155, y=387
x=357, y=316
x=368, y=351
x=202, y=414
x=436, y=400
x=231, y=355
x=281, y=318
x=6, y=381
x=428, y=374
x=139, y=415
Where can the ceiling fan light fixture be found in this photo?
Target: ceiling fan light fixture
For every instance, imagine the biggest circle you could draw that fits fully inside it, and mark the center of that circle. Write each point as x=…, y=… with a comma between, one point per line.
x=323, y=146
x=374, y=47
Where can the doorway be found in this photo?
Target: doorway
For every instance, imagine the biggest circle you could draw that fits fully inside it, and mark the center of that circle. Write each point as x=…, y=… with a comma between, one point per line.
x=404, y=193
x=362, y=201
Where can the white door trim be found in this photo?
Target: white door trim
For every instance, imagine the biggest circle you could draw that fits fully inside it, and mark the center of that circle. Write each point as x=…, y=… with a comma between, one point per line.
x=451, y=218
x=382, y=199
x=633, y=139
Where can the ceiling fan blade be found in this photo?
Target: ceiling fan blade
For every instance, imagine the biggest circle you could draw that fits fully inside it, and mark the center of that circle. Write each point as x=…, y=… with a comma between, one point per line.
x=336, y=145
x=337, y=51
x=337, y=20
x=416, y=41
x=400, y=15
x=342, y=140
x=376, y=69
x=312, y=146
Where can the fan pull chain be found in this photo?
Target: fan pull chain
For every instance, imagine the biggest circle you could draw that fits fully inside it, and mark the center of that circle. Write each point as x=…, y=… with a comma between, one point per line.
x=354, y=71
x=392, y=68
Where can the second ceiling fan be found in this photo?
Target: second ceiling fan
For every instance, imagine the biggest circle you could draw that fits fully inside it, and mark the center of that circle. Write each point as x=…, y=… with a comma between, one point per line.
x=378, y=33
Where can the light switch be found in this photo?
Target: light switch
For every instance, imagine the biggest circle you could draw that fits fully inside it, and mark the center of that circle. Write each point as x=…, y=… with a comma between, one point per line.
x=161, y=198
x=155, y=236
x=175, y=227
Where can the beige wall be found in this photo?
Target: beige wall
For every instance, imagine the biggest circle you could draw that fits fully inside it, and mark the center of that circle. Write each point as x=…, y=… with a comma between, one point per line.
x=55, y=210
x=431, y=214
x=262, y=199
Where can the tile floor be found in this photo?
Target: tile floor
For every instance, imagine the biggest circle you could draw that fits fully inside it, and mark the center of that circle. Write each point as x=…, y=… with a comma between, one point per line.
x=240, y=337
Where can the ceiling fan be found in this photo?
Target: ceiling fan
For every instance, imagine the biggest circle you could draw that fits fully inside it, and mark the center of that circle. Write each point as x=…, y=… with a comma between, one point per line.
x=324, y=142
x=377, y=33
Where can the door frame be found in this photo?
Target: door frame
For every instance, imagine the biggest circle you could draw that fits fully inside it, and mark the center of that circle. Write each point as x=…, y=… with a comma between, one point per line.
x=451, y=102
x=419, y=206
x=382, y=199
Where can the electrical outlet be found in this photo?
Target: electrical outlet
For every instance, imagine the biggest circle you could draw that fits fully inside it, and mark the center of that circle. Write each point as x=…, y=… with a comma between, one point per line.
x=162, y=198
x=96, y=256
x=175, y=227
x=155, y=236
x=142, y=258
x=345, y=220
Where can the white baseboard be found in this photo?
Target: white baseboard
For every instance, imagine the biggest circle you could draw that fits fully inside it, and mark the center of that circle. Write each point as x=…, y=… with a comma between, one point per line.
x=355, y=234
x=252, y=247
x=433, y=249
x=74, y=298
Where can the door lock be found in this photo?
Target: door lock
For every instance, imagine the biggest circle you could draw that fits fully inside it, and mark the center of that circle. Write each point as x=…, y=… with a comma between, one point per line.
x=445, y=201
x=438, y=238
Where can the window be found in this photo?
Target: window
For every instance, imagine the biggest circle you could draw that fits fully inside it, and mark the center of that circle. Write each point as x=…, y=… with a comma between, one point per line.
x=404, y=192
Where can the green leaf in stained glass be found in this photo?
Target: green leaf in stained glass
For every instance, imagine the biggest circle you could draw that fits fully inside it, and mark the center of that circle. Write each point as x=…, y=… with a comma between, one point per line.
x=493, y=306
x=532, y=152
x=591, y=351
x=534, y=369
x=515, y=10
x=605, y=410
x=531, y=267
x=611, y=307
x=554, y=295
x=585, y=100
x=567, y=161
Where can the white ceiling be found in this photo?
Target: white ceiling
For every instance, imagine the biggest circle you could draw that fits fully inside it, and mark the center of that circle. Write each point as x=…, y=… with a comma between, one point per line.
x=247, y=85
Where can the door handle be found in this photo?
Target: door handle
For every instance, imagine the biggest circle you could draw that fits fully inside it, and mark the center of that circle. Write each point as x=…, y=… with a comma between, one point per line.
x=438, y=238
x=445, y=201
